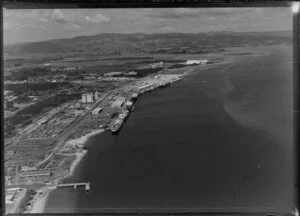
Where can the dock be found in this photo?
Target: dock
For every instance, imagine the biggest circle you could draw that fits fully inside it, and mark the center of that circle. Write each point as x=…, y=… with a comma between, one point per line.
x=74, y=185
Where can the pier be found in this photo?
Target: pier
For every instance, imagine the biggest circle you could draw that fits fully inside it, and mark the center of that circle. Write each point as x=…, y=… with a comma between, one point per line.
x=74, y=185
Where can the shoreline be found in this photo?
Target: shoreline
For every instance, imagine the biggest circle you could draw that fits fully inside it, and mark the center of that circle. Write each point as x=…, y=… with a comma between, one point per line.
x=39, y=200
x=37, y=204
x=78, y=142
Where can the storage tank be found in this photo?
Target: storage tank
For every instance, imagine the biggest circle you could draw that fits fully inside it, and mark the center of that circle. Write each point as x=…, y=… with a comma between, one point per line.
x=89, y=98
x=83, y=98
x=96, y=95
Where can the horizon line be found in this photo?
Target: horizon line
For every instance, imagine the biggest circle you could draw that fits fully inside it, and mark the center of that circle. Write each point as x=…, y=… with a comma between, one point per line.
x=145, y=33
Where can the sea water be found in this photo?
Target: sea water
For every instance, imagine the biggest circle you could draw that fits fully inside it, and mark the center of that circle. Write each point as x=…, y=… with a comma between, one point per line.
x=221, y=138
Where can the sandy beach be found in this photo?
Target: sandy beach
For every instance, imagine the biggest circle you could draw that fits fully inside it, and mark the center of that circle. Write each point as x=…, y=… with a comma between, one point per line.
x=39, y=201
x=80, y=154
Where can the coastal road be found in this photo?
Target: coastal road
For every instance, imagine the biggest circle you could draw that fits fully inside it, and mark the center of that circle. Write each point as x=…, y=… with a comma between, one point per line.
x=63, y=137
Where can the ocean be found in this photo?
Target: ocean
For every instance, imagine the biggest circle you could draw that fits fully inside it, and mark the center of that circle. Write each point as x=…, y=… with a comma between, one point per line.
x=221, y=138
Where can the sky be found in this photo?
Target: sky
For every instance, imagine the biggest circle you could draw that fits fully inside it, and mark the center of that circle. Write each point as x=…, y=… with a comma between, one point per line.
x=43, y=24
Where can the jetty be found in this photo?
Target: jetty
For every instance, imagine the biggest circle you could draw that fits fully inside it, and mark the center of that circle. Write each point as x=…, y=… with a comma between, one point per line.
x=74, y=185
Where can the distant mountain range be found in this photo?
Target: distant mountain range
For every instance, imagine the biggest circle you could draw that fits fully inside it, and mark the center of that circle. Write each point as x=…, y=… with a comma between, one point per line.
x=139, y=43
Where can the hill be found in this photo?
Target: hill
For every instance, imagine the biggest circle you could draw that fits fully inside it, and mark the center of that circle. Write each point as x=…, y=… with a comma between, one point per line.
x=140, y=43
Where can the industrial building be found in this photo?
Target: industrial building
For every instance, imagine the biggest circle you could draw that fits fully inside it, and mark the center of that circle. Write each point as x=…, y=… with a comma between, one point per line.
x=191, y=62
x=83, y=98
x=111, y=74
x=129, y=104
x=154, y=65
x=144, y=87
x=96, y=95
x=90, y=97
x=36, y=176
x=130, y=73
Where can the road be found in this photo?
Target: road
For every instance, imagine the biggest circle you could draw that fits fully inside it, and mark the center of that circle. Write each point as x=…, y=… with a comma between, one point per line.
x=63, y=137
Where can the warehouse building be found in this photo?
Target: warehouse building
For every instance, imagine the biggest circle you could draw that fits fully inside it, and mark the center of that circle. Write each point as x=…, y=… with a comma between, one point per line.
x=191, y=62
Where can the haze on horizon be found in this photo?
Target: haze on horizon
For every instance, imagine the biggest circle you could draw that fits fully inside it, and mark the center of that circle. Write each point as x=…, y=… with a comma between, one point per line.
x=30, y=25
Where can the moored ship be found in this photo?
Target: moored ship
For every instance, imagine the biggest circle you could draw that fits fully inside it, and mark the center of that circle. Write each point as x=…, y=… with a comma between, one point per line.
x=116, y=127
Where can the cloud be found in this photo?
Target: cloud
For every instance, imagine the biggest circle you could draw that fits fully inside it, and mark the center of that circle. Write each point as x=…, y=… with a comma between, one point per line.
x=99, y=18
x=180, y=13
x=43, y=19
x=59, y=17
x=76, y=26
x=43, y=27
x=176, y=13
x=166, y=29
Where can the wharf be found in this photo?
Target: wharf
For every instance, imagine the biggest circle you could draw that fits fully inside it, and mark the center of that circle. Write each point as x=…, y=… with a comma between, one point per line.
x=74, y=185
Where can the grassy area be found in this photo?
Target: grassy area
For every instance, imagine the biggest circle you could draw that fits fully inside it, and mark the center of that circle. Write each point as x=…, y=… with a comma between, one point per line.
x=25, y=116
x=21, y=88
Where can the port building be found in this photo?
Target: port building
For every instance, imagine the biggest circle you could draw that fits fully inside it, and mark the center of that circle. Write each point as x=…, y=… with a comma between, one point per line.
x=130, y=73
x=96, y=95
x=37, y=176
x=129, y=104
x=89, y=98
x=154, y=65
x=112, y=74
x=145, y=87
x=83, y=98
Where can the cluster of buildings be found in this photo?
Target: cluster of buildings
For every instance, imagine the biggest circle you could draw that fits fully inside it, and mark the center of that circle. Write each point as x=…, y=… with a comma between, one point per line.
x=14, y=82
x=21, y=175
x=61, y=68
x=89, y=97
x=143, y=87
x=35, y=176
x=129, y=73
x=154, y=65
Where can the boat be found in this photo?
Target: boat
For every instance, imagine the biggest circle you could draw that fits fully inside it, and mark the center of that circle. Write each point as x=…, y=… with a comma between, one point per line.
x=115, y=129
x=165, y=84
x=124, y=115
x=134, y=96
